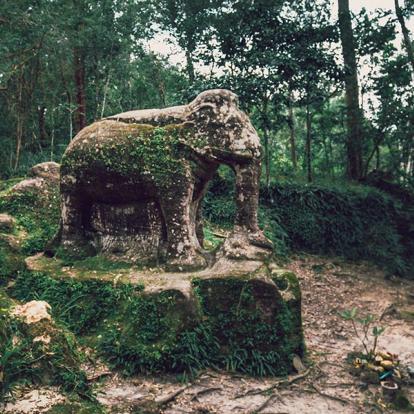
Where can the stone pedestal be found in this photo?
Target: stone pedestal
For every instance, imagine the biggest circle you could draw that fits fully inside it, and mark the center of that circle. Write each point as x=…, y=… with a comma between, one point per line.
x=237, y=315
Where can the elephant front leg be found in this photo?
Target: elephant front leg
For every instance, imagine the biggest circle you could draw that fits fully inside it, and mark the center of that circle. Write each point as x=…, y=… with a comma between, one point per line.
x=182, y=244
x=247, y=241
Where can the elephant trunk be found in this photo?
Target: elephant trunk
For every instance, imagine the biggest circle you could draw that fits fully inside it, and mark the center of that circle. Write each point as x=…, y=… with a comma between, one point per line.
x=246, y=236
x=247, y=195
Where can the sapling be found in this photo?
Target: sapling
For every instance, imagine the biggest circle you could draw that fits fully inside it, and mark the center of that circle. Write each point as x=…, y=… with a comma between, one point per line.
x=369, y=346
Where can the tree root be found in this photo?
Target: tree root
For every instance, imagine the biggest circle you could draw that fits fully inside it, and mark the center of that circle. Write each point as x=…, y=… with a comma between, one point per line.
x=284, y=383
x=264, y=405
x=332, y=397
x=171, y=397
x=205, y=391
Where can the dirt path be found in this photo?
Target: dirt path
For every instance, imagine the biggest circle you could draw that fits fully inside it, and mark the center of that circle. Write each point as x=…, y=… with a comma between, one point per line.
x=328, y=286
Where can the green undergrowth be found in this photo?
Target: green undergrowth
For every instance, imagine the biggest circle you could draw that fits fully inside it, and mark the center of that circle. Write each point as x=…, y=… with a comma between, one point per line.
x=137, y=332
x=77, y=407
x=81, y=305
x=7, y=184
x=250, y=337
x=353, y=221
x=24, y=360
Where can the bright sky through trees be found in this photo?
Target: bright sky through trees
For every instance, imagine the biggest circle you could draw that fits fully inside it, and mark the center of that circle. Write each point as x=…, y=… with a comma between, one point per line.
x=160, y=43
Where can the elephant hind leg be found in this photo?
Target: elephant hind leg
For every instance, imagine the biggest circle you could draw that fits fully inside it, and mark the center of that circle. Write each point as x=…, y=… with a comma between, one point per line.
x=72, y=233
x=199, y=225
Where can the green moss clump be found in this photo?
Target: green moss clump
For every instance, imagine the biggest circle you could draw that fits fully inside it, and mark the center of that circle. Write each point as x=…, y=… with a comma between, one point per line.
x=37, y=216
x=77, y=407
x=232, y=332
x=7, y=184
x=288, y=284
x=11, y=262
x=151, y=335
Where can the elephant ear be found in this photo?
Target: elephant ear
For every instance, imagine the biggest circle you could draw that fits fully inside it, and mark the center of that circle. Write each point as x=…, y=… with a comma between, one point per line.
x=203, y=113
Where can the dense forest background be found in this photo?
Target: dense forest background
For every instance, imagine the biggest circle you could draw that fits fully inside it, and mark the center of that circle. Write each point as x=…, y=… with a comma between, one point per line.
x=66, y=63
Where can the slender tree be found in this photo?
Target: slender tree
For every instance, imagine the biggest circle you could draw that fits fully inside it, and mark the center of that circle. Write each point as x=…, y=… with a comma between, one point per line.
x=406, y=34
x=354, y=115
x=292, y=129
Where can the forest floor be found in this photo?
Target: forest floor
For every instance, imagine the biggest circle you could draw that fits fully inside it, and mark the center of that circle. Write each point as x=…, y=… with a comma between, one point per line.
x=328, y=287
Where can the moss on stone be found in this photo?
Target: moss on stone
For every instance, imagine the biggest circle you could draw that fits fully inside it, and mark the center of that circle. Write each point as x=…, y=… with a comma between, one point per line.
x=131, y=150
x=37, y=215
x=289, y=287
x=286, y=280
x=11, y=261
x=250, y=320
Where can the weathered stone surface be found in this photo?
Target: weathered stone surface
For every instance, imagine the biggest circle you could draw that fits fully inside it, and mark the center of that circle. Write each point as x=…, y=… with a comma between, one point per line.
x=132, y=184
x=41, y=176
x=32, y=312
x=29, y=184
x=29, y=216
x=7, y=223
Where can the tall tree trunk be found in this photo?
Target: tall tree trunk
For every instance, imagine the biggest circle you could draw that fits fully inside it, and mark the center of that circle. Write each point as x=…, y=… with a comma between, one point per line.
x=19, y=139
x=267, y=155
x=291, y=123
x=406, y=34
x=42, y=126
x=19, y=121
x=354, y=141
x=106, y=87
x=377, y=158
x=190, y=66
x=326, y=152
x=79, y=66
x=308, y=146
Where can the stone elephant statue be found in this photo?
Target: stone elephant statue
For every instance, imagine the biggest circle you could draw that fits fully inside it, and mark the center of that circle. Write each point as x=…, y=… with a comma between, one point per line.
x=132, y=183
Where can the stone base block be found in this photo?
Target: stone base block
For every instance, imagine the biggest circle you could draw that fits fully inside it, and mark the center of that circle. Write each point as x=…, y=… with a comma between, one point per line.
x=239, y=316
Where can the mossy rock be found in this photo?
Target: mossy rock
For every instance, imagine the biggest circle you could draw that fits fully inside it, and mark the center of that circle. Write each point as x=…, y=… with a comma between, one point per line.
x=151, y=321
x=32, y=213
x=36, y=350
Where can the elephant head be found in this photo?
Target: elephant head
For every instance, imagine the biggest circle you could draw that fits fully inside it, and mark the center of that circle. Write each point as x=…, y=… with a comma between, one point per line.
x=232, y=140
